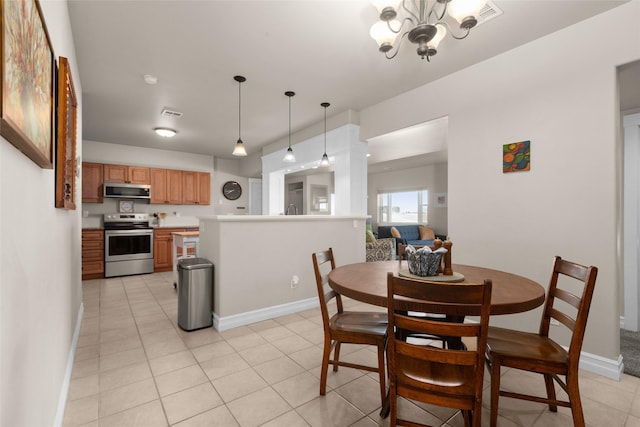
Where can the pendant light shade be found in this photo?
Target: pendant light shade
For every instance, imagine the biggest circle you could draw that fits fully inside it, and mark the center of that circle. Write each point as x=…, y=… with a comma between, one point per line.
x=289, y=157
x=239, y=150
x=325, y=159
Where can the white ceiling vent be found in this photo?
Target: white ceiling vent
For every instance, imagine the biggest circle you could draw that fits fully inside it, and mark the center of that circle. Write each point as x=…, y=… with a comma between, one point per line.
x=488, y=12
x=171, y=113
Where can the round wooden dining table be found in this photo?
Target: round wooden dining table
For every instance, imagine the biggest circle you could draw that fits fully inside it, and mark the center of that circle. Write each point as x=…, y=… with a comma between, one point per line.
x=367, y=282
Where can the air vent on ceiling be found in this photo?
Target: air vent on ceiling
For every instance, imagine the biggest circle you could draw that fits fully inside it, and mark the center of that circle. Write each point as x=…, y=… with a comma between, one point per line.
x=171, y=113
x=488, y=12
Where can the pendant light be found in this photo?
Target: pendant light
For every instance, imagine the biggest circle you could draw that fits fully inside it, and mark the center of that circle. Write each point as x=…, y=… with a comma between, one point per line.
x=289, y=157
x=325, y=159
x=239, y=150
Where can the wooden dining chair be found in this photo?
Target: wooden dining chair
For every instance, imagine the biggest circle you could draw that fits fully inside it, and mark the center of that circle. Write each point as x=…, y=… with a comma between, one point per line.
x=439, y=376
x=346, y=327
x=536, y=352
x=452, y=342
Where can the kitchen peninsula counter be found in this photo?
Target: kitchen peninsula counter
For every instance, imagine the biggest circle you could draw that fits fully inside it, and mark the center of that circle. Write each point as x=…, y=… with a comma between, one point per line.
x=262, y=264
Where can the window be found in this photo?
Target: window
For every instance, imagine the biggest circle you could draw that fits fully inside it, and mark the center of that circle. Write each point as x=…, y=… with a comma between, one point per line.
x=403, y=207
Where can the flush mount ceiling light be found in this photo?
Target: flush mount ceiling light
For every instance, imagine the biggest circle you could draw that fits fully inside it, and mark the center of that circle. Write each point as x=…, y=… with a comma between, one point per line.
x=165, y=132
x=289, y=157
x=325, y=159
x=239, y=149
x=422, y=23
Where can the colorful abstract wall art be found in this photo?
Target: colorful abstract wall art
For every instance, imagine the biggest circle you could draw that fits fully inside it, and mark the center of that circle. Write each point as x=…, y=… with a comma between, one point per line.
x=516, y=157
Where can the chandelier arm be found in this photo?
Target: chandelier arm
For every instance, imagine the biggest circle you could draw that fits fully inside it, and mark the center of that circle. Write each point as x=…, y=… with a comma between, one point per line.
x=451, y=31
x=433, y=11
x=410, y=12
x=386, y=54
x=400, y=27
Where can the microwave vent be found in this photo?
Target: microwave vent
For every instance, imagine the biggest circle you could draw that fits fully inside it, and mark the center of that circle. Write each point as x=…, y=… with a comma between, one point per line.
x=171, y=113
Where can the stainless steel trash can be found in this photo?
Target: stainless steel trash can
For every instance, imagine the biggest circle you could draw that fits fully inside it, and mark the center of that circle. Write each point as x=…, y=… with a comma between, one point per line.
x=195, y=293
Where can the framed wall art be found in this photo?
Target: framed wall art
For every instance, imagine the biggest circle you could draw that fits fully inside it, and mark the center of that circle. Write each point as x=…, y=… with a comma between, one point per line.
x=67, y=106
x=440, y=200
x=27, y=87
x=516, y=157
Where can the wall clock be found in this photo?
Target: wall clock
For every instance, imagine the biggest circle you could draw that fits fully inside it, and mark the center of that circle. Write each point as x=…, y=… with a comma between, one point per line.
x=232, y=190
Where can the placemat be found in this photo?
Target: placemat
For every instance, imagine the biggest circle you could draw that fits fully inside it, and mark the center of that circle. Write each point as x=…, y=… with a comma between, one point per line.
x=455, y=277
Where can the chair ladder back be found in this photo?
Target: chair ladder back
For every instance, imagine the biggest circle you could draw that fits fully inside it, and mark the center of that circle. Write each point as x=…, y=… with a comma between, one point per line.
x=319, y=260
x=577, y=324
x=440, y=376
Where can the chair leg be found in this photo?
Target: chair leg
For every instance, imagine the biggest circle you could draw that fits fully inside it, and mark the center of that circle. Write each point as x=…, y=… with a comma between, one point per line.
x=574, y=400
x=466, y=416
x=382, y=373
x=551, y=391
x=495, y=392
x=326, y=354
x=336, y=356
x=393, y=405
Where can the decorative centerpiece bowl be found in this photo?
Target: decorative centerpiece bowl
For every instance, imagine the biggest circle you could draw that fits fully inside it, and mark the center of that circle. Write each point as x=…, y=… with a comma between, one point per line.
x=424, y=261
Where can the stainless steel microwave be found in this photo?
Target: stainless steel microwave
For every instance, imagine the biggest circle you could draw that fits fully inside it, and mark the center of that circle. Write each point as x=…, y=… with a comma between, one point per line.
x=127, y=191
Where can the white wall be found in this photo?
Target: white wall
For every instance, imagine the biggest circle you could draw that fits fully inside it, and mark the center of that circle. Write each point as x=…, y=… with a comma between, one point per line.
x=431, y=177
x=229, y=170
x=558, y=94
x=348, y=156
x=252, y=276
x=40, y=286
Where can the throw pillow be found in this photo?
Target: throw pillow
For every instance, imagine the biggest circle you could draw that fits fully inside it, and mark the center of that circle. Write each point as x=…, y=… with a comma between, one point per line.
x=370, y=237
x=426, y=233
x=394, y=232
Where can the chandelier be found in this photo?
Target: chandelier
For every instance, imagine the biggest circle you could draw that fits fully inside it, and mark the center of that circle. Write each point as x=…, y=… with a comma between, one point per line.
x=422, y=23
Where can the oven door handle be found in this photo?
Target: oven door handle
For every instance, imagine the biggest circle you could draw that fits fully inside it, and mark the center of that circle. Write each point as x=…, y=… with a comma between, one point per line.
x=128, y=232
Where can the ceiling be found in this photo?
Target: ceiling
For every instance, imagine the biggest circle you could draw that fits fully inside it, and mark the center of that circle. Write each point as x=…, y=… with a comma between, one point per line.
x=319, y=49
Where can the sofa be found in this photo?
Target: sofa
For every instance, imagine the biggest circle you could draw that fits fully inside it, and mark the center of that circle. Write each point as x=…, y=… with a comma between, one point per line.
x=409, y=234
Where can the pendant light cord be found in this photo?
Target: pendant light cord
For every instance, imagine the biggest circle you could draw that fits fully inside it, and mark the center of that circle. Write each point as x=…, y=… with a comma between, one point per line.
x=290, y=122
x=239, y=109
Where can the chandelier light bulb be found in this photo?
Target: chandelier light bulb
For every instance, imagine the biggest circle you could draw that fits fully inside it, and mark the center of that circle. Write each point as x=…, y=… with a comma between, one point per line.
x=466, y=12
x=435, y=41
x=382, y=34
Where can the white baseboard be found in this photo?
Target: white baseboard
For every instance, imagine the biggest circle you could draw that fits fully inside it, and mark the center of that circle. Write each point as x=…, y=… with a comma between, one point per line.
x=64, y=392
x=609, y=368
x=233, y=321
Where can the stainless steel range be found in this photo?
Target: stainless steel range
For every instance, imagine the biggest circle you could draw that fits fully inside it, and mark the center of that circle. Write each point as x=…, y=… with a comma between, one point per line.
x=128, y=244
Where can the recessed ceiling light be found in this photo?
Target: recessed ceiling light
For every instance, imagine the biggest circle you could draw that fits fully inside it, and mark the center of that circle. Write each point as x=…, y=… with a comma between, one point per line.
x=165, y=132
x=149, y=79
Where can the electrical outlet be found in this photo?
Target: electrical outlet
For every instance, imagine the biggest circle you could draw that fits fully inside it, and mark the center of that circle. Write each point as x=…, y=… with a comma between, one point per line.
x=554, y=322
x=295, y=280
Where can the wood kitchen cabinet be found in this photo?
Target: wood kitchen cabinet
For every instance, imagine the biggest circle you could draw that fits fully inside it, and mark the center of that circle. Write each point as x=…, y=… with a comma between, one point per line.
x=166, y=186
x=196, y=188
x=163, y=247
x=92, y=254
x=127, y=174
x=92, y=178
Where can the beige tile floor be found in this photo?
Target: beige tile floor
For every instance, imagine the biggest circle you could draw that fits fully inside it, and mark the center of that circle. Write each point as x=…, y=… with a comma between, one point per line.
x=135, y=367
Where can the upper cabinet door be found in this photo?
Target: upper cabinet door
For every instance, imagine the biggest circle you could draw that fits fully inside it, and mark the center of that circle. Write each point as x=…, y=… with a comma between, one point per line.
x=196, y=188
x=166, y=186
x=127, y=174
x=115, y=173
x=204, y=188
x=139, y=175
x=92, y=175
